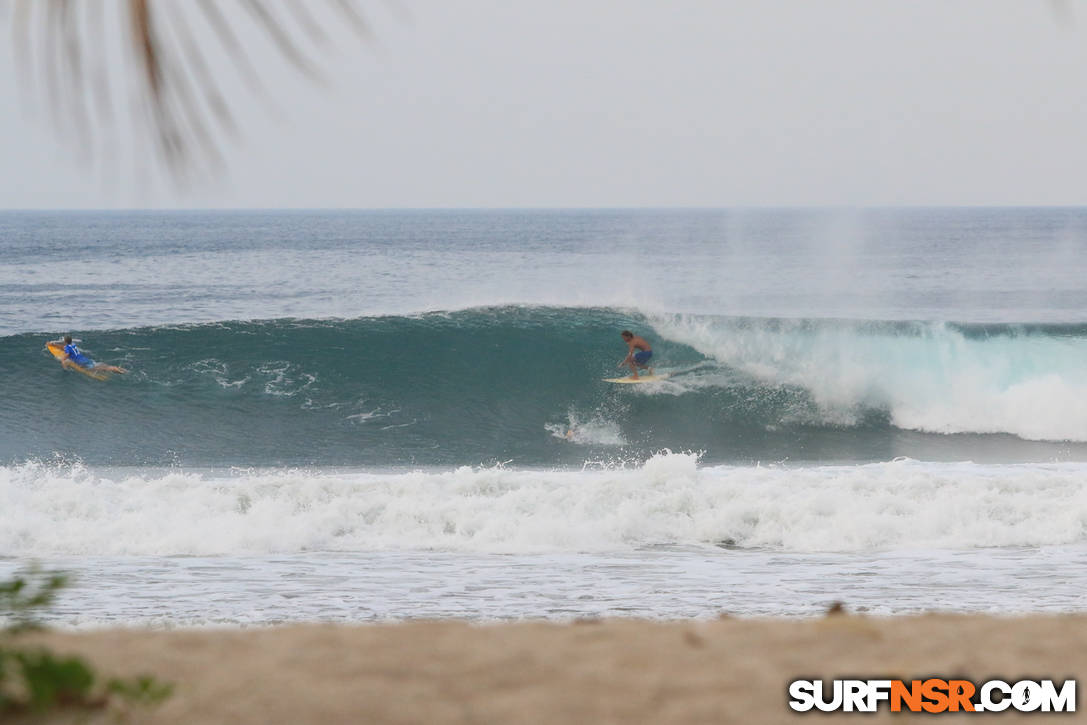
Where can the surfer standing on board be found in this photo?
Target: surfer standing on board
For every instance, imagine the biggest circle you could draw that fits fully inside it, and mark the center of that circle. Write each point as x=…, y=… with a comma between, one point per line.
x=75, y=357
x=638, y=355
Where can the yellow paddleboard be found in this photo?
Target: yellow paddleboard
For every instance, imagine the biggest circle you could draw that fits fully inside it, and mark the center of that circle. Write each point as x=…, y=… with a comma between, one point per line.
x=641, y=379
x=58, y=353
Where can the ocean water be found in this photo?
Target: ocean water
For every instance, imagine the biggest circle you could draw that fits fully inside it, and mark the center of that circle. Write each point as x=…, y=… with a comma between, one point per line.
x=356, y=416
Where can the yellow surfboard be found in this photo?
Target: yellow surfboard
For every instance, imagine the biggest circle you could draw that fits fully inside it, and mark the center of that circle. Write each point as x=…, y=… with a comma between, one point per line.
x=58, y=352
x=641, y=379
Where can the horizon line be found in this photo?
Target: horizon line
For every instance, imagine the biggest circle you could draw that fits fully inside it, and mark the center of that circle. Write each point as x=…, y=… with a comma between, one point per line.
x=748, y=207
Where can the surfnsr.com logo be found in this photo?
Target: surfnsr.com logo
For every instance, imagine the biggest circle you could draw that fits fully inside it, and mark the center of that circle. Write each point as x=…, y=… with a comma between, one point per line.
x=932, y=695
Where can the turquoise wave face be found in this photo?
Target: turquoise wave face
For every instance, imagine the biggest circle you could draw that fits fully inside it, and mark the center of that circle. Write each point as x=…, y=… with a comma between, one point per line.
x=524, y=385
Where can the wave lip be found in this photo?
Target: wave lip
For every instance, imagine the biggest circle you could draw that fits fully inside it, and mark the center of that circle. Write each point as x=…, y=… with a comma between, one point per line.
x=925, y=376
x=669, y=500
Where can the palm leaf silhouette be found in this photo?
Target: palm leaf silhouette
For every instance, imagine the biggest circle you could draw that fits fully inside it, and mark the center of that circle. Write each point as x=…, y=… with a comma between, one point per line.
x=177, y=55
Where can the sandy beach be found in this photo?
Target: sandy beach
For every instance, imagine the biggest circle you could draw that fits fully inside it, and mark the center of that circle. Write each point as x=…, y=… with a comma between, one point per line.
x=617, y=671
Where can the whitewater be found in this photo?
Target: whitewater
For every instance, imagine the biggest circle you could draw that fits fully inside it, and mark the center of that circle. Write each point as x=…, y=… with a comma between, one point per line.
x=350, y=416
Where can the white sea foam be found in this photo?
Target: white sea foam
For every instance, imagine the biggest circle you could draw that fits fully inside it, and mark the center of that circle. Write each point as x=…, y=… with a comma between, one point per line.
x=284, y=379
x=592, y=430
x=932, y=378
x=218, y=371
x=47, y=510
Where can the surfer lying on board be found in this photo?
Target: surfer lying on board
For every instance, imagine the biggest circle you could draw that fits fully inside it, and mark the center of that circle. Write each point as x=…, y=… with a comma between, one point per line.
x=75, y=357
x=638, y=355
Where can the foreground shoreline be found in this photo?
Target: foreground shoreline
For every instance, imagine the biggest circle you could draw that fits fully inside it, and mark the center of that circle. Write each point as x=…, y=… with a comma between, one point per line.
x=619, y=671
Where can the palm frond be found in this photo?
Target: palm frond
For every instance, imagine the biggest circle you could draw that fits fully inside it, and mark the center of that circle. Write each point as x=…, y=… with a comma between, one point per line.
x=176, y=59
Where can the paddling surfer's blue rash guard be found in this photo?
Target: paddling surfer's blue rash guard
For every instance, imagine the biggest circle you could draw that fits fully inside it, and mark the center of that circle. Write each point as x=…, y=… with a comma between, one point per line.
x=77, y=357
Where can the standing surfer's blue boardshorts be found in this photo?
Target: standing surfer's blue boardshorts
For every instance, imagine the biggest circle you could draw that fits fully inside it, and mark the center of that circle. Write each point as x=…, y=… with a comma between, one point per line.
x=642, y=356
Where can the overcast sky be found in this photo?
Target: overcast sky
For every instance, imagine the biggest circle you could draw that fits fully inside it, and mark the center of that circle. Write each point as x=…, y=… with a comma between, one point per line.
x=585, y=103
